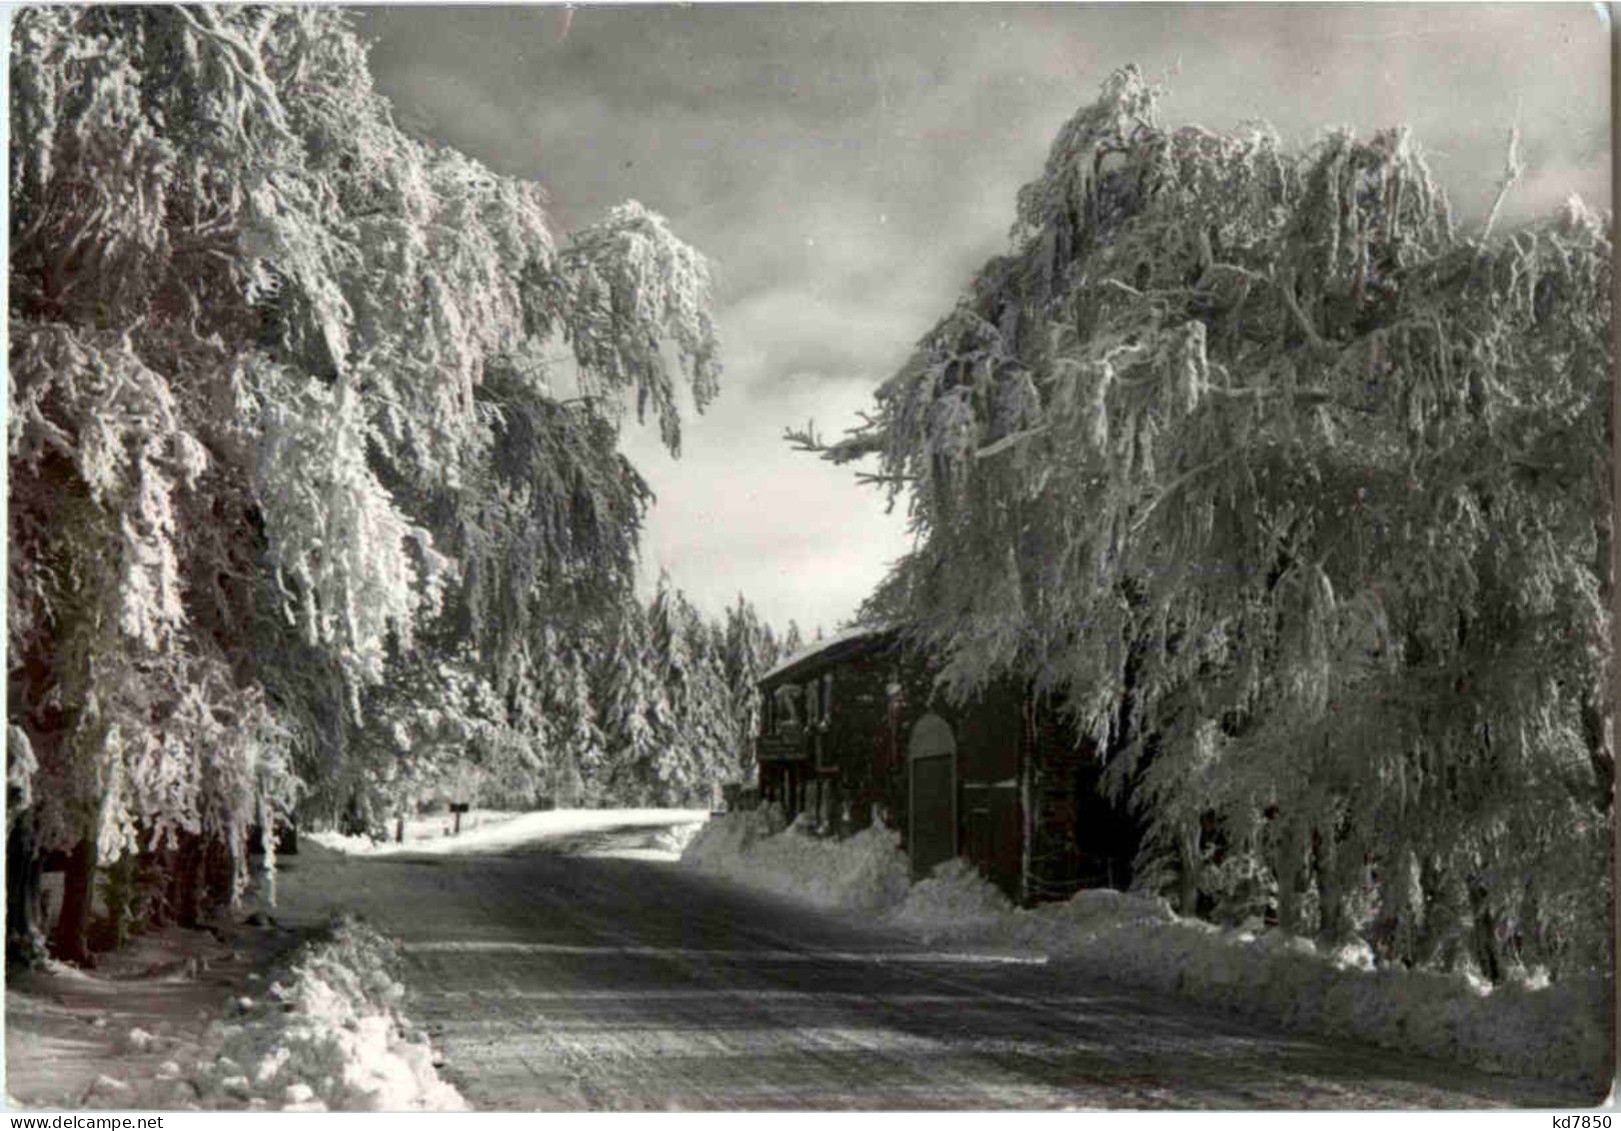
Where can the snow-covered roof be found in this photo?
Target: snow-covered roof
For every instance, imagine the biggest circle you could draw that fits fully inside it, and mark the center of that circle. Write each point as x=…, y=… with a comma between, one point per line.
x=816, y=648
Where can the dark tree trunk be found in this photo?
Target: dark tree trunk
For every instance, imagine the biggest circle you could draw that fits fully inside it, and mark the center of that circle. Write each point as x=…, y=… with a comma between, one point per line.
x=185, y=888
x=25, y=935
x=1332, y=925
x=216, y=875
x=1483, y=934
x=1190, y=863
x=1289, y=866
x=156, y=870
x=71, y=941
x=1441, y=938
x=118, y=880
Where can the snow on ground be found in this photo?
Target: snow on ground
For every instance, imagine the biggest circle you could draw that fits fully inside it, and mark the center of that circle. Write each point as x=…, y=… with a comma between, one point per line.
x=489, y=830
x=129, y=1034
x=182, y=1021
x=1559, y=1031
x=327, y=1035
x=865, y=872
x=1551, y=1031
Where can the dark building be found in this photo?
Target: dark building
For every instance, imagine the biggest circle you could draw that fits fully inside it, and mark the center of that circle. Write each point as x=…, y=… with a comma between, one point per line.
x=852, y=728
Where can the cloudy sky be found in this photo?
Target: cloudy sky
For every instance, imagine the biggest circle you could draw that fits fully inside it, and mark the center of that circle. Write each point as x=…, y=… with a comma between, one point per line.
x=847, y=167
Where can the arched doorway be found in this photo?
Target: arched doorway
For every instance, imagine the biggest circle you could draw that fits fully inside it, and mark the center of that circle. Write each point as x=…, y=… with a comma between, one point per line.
x=931, y=754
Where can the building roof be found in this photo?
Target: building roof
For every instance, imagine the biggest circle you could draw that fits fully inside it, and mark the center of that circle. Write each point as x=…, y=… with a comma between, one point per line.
x=839, y=642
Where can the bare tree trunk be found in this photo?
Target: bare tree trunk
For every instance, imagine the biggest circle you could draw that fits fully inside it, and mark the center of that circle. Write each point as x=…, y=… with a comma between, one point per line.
x=1289, y=868
x=1188, y=846
x=217, y=875
x=1438, y=935
x=118, y=893
x=71, y=941
x=185, y=882
x=1332, y=925
x=158, y=870
x=1483, y=933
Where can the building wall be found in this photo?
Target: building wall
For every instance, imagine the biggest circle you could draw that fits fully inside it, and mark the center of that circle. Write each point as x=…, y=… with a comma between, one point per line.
x=1056, y=765
x=990, y=763
x=1012, y=758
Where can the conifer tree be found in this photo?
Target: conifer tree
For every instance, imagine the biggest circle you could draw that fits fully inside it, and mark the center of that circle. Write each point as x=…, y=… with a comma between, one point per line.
x=1298, y=492
x=707, y=720
x=750, y=650
x=632, y=712
x=283, y=436
x=573, y=736
x=792, y=640
x=672, y=667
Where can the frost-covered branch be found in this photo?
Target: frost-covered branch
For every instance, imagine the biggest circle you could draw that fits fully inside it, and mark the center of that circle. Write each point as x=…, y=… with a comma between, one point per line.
x=1009, y=441
x=1512, y=170
x=857, y=444
x=282, y=436
x=1294, y=544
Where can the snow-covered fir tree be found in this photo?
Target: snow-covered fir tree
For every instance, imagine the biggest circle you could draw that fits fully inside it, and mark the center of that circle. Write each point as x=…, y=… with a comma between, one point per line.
x=749, y=651
x=283, y=431
x=705, y=712
x=676, y=701
x=792, y=640
x=634, y=714
x=572, y=745
x=673, y=668
x=1297, y=492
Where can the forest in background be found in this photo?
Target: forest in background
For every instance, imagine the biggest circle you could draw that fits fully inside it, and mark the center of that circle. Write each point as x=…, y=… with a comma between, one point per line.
x=316, y=507
x=1296, y=494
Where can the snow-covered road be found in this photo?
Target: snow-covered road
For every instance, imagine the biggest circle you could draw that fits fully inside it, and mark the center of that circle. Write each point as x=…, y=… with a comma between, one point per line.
x=564, y=974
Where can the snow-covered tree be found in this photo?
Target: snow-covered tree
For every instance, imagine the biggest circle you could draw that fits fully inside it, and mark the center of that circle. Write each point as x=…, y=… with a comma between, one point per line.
x=283, y=427
x=793, y=640
x=634, y=713
x=706, y=716
x=671, y=709
x=1299, y=493
x=573, y=739
x=701, y=738
x=749, y=651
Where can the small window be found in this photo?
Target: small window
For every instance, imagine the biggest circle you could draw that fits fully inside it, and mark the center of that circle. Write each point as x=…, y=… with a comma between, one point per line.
x=827, y=698
x=786, y=702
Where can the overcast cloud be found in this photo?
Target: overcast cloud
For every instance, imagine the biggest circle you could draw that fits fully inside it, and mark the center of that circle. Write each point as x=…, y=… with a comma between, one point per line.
x=848, y=167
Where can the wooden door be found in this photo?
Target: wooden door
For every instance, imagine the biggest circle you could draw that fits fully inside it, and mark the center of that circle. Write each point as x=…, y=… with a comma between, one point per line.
x=990, y=832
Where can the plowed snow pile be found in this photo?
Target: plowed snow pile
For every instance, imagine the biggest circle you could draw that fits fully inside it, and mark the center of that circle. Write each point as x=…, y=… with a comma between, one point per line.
x=127, y=1034
x=1557, y=1031
x=327, y=1037
x=865, y=872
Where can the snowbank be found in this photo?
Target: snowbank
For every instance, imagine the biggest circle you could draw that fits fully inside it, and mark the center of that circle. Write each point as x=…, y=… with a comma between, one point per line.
x=866, y=872
x=329, y=1039
x=489, y=830
x=117, y=1036
x=1558, y=1031
x=954, y=894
